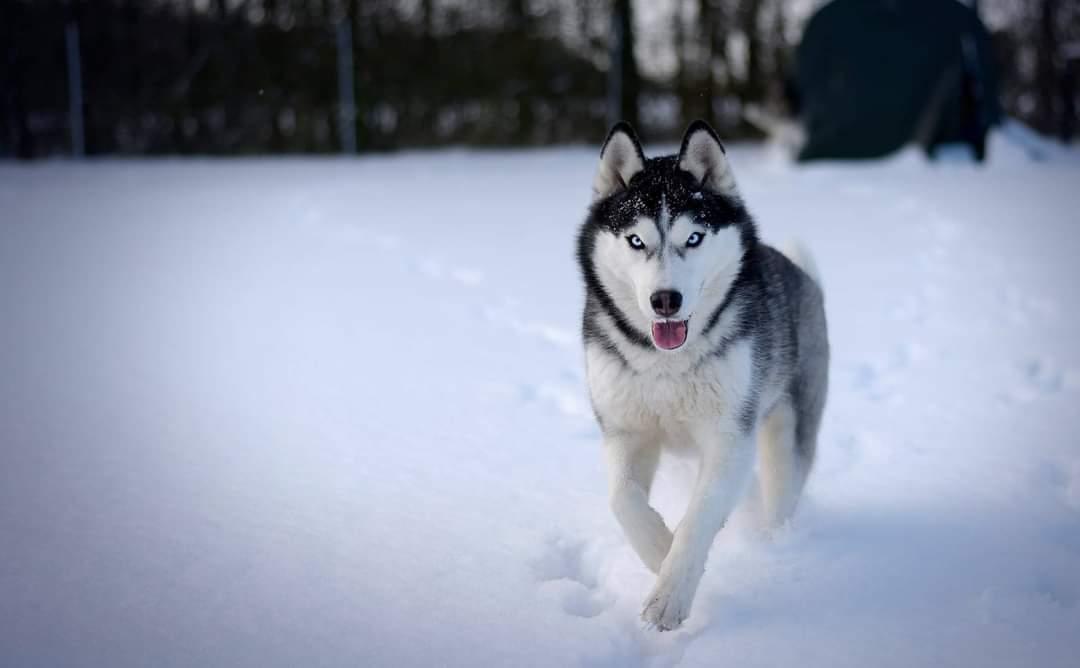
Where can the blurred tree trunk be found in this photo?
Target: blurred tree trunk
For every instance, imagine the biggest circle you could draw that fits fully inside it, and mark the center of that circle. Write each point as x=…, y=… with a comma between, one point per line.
x=226, y=75
x=1068, y=98
x=12, y=85
x=1045, y=76
x=780, y=57
x=1046, y=55
x=96, y=77
x=749, y=18
x=623, y=81
x=521, y=26
x=711, y=46
x=131, y=44
x=431, y=99
x=682, y=59
x=721, y=33
x=352, y=15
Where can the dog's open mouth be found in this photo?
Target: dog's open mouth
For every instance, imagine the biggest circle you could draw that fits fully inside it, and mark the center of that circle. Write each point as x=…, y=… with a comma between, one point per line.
x=669, y=334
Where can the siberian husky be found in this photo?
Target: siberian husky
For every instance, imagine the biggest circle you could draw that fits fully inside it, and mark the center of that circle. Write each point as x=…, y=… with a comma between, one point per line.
x=698, y=338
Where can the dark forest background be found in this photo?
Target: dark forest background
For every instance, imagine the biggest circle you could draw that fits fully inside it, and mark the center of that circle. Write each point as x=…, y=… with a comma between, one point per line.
x=262, y=76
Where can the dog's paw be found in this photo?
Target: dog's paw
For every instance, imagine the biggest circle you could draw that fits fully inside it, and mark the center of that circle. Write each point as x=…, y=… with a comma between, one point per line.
x=668, y=606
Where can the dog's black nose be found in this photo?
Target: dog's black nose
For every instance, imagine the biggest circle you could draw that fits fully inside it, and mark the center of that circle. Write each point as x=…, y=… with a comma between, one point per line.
x=666, y=302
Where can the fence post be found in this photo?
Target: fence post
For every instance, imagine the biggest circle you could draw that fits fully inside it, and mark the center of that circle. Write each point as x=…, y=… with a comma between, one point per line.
x=75, y=94
x=346, y=92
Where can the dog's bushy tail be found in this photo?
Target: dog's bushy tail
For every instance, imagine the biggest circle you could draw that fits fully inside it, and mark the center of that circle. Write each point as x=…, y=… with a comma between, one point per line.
x=799, y=254
x=793, y=435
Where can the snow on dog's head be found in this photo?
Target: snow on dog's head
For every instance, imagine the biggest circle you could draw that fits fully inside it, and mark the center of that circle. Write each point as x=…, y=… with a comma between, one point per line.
x=665, y=236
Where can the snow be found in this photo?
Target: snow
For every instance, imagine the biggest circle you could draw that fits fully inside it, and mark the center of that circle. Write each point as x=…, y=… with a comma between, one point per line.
x=331, y=412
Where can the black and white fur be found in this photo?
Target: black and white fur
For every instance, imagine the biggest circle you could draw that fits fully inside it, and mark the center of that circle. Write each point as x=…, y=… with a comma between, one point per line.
x=752, y=365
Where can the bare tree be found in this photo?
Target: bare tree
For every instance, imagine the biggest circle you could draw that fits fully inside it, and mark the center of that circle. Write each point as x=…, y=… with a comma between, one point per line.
x=749, y=24
x=623, y=82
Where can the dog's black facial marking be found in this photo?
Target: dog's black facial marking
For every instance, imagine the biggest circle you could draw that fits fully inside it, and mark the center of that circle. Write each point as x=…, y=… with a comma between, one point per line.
x=597, y=297
x=662, y=185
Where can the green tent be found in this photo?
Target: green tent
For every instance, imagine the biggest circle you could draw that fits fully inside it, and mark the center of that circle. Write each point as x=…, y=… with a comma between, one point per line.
x=875, y=75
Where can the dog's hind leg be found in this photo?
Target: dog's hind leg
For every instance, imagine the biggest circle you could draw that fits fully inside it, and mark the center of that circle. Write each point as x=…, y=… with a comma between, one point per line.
x=632, y=464
x=782, y=468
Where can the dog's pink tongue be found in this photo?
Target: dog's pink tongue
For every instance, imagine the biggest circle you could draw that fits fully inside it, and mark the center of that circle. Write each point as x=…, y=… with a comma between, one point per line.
x=670, y=334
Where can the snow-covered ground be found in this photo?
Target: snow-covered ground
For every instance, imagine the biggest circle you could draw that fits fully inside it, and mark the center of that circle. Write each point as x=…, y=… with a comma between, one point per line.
x=329, y=412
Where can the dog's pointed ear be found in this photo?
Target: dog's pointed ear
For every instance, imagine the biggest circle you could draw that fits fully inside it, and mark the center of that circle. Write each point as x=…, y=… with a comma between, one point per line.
x=620, y=159
x=704, y=157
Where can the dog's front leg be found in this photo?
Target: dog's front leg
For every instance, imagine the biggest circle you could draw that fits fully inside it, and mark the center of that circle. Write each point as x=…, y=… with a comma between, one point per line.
x=726, y=462
x=632, y=462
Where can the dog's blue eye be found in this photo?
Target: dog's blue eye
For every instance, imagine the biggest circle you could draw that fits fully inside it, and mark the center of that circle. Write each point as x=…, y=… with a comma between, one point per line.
x=635, y=242
x=695, y=240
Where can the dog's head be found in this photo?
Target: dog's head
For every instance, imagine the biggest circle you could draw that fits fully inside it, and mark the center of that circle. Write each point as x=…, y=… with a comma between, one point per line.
x=665, y=237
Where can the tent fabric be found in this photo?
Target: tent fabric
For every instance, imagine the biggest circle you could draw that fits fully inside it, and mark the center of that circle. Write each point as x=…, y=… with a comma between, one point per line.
x=875, y=75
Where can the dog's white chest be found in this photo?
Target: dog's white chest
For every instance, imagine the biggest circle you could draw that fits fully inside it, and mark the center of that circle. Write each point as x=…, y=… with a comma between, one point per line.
x=668, y=394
